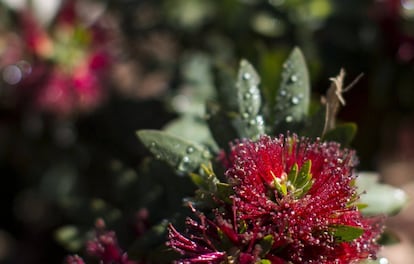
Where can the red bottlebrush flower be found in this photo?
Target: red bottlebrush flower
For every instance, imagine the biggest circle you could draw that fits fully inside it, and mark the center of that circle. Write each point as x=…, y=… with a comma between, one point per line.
x=75, y=259
x=294, y=201
x=105, y=247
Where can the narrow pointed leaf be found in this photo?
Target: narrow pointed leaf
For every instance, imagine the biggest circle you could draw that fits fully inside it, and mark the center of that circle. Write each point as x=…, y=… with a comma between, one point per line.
x=280, y=186
x=293, y=96
x=293, y=174
x=248, y=93
x=304, y=175
x=249, y=101
x=183, y=155
x=305, y=188
x=344, y=233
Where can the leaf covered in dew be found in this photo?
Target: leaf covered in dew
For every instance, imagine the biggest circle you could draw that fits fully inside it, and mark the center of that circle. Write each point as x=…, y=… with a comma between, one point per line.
x=293, y=96
x=183, y=155
x=251, y=123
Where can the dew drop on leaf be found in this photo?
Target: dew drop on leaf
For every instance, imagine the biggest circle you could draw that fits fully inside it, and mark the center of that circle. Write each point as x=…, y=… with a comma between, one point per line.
x=295, y=100
x=293, y=78
x=289, y=119
x=247, y=96
x=246, y=76
x=190, y=150
x=184, y=164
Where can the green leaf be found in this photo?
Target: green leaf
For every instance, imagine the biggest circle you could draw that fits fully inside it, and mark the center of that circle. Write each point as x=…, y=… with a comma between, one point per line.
x=265, y=261
x=343, y=133
x=315, y=123
x=220, y=125
x=293, y=174
x=293, y=97
x=304, y=175
x=183, y=155
x=70, y=237
x=344, y=233
x=249, y=101
x=266, y=243
x=226, y=88
x=248, y=93
x=188, y=126
x=381, y=260
x=271, y=61
x=380, y=198
x=280, y=186
x=388, y=238
x=224, y=191
x=197, y=85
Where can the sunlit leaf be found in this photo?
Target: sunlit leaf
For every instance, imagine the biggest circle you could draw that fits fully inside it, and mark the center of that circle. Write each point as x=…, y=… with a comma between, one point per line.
x=380, y=198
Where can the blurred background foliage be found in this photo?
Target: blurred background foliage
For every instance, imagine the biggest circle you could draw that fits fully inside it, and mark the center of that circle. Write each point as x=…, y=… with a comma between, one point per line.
x=78, y=78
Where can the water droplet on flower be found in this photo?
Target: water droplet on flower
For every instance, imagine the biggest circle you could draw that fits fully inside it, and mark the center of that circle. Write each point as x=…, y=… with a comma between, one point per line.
x=190, y=150
x=295, y=100
x=289, y=119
